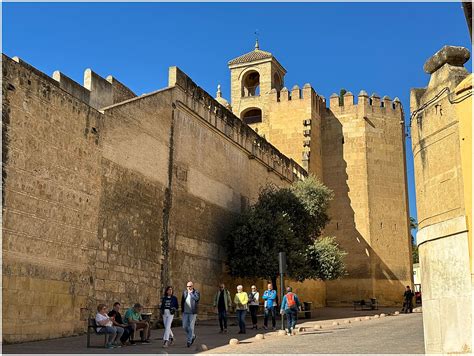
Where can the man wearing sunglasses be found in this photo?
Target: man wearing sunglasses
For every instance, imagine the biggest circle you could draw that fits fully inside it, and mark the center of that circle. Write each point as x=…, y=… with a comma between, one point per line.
x=189, y=306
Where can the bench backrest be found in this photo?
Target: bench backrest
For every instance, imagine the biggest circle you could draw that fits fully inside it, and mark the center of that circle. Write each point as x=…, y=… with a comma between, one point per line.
x=93, y=324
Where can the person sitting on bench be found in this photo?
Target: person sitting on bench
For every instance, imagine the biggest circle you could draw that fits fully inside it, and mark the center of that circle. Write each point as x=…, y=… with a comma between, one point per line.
x=105, y=326
x=116, y=317
x=133, y=317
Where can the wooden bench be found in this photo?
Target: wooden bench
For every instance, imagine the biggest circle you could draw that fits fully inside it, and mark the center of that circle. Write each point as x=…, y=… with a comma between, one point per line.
x=362, y=304
x=91, y=324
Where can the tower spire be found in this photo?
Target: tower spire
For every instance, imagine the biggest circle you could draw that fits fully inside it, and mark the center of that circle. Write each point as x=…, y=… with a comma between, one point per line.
x=219, y=93
x=256, y=40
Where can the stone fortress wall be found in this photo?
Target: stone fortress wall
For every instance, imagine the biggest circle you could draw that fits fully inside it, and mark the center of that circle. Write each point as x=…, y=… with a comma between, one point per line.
x=108, y=196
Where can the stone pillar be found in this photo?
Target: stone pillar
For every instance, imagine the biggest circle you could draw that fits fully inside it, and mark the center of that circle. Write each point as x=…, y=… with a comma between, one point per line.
x=443, y=235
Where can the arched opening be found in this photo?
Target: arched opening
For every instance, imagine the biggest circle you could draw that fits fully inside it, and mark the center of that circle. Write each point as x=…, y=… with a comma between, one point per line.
x=251, y=84
x=277, y=82
x=252, y=116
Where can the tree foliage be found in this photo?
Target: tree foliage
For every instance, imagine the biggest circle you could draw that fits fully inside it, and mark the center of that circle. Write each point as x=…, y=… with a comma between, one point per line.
x=325, y=259
x=289, y=220
x=414, y=250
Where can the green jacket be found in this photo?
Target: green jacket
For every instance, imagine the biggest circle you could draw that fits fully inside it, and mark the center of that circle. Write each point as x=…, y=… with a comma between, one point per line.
x=227, y=299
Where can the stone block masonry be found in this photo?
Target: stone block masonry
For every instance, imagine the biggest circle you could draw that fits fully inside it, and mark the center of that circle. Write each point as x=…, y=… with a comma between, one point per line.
x=109, y=197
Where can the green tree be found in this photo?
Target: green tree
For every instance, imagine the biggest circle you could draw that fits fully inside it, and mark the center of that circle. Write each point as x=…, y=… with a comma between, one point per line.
x=287, y=219
x=341, y=96
x=325, y=259
x=414, y=250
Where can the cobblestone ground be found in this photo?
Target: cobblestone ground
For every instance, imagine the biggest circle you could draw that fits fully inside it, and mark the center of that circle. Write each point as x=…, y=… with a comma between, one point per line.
x=391, y=334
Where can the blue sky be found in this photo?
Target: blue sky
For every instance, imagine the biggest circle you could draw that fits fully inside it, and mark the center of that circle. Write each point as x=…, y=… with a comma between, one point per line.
x=378, y=47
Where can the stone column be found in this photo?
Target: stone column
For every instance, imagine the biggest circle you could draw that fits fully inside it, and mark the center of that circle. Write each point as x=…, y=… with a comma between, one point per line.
x=443, y=233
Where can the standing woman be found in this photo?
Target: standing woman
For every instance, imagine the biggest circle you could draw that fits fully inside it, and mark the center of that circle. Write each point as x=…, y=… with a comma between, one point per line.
x=169, y=306
x=253, y=306
x=241, y=299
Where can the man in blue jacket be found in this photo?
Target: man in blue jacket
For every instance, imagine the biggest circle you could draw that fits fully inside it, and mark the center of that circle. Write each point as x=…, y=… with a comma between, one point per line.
x=189, y=307
x=269, y=297
x=290, y=305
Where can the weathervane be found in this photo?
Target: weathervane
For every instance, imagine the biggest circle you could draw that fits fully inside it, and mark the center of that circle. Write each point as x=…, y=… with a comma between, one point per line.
x=256, y=39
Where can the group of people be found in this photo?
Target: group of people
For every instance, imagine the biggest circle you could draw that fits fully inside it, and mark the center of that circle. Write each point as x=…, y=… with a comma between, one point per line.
x=121, y=330
x=250, y=302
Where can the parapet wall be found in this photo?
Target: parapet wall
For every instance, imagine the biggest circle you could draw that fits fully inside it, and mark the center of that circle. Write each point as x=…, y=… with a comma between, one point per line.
x=373, y=104
x=96, y=92
x=231, y=126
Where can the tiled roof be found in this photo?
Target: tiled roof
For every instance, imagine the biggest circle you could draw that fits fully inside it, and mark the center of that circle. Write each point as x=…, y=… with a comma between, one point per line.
x=255, y=55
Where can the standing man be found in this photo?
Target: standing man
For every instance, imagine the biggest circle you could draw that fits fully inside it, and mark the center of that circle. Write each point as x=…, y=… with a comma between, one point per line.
x=408, y=300
x=290, y=305
x=189, y=306
x=253, y=305
x=222, y=302
x=269, y=297
x=241, y=299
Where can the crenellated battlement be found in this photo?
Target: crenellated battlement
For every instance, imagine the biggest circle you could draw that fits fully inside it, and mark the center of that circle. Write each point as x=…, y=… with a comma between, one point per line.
x=373, y=103
x=96, y=91
x=296, y=93
x=205, y=106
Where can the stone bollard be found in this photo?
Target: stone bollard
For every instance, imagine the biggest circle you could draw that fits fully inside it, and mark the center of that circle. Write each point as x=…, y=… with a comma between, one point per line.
x=376, y=316
x=281, y=332
x=233, y=341
x=347, y=321
x=317, y=327
x=396, y=313
x=357, y=319
x=301, y=329
x=259, y=336
x=335, y=323
x=383, y=315
x=202, y=347
x=367, y=318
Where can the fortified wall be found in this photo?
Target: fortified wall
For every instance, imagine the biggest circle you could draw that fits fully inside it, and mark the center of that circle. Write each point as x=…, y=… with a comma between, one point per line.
x=364, y=164
x=110, y=197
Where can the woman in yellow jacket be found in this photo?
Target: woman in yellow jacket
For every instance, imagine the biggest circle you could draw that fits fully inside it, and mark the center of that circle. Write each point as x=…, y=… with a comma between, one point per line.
x=241, y=300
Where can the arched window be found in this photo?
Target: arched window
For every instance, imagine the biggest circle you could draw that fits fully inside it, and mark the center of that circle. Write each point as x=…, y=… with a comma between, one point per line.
x=277, y=82
x=252, y=116
x=251, y=84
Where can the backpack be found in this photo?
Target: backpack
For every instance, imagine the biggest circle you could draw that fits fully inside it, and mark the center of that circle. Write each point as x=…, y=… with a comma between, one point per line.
x=290, y=300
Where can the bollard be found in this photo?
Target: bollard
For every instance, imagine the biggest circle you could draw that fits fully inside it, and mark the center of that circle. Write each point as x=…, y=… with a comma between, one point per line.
x=259, y=337
x=335, y=323
x=202, y=347
x=233, y=341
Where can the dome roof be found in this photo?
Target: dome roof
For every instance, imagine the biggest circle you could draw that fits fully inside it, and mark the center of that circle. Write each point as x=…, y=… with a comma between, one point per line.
x=220, y=99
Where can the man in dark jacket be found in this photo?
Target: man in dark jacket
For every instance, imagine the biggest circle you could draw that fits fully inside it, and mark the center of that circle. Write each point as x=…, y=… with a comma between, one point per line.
x=408, y=300
x=118, y=321
x=189, y=307
x=223, y=303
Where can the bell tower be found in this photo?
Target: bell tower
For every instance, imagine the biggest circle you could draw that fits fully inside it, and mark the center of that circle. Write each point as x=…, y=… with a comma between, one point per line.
x=253, y=76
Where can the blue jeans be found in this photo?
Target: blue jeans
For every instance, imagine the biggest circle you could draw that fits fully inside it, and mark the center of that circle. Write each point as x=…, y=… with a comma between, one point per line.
x=269, y=311
x=291, y=317
x=223, y=319
x=114, y=333
x=241, y=319
x=188, y=325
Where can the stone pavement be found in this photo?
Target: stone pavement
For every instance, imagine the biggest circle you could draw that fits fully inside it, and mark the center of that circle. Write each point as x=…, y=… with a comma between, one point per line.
x=390, y=334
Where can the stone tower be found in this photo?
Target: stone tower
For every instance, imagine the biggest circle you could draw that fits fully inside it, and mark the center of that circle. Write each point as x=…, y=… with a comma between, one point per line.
x=363, y=148
x=283, y=117
x=357, y=150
